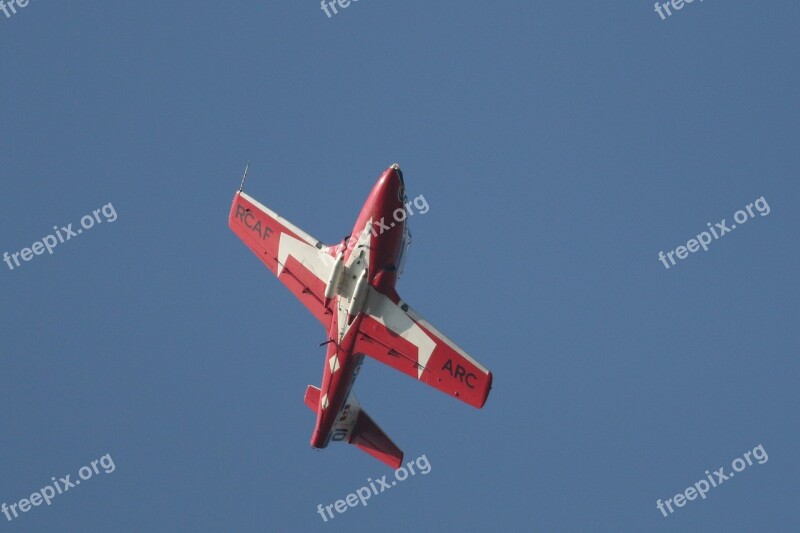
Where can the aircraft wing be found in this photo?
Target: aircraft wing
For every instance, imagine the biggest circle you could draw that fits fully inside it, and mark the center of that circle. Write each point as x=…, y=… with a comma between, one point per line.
x=293, y=255
x=396, y=335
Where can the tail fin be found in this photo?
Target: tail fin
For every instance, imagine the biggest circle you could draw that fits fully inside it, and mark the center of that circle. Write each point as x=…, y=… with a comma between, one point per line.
x=312, y=397
x=360, y=430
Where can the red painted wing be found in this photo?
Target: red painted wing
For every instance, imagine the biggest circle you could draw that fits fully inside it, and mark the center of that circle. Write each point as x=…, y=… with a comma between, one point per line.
x=396, y=335
x=294, y=256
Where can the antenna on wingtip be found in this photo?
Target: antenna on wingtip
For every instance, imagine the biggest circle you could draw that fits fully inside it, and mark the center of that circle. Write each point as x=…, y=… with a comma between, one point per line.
x=246, y=168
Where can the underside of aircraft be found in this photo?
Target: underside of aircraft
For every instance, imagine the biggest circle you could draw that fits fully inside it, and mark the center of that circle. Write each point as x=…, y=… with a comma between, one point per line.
x=350, y=288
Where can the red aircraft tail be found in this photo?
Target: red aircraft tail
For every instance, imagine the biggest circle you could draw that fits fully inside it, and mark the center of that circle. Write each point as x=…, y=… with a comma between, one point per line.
x=356, y=427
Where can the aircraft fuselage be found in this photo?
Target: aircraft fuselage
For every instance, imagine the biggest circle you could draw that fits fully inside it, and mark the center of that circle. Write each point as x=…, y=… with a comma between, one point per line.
x=368, y=257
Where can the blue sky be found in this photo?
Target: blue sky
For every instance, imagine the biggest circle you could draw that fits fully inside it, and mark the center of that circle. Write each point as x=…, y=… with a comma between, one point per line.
x=560, y=147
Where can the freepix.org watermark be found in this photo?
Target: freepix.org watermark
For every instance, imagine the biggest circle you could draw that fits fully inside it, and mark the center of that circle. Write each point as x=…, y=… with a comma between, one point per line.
x=57, y=487
x=61, y=236
x=676, y=5
x=9, y=7
x=326, y=5
x=399, y=215
x=714, y=480
x=718, y=230
x=365, y=493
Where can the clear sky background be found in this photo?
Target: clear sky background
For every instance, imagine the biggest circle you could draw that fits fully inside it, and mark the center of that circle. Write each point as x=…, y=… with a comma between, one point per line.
x=560, y=146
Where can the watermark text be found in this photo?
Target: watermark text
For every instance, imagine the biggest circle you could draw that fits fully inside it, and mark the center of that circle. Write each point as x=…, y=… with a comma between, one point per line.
x=61, y=236
x=60, y=486
x=718, y=230
x=711, y=481
x=365, y=493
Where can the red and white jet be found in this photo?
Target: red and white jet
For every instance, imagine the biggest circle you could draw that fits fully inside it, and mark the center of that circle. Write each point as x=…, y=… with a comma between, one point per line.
x=350, y=288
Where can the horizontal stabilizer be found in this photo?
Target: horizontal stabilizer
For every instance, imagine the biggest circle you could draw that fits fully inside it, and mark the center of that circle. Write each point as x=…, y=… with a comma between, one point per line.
x=360, y=430
x=370, y=438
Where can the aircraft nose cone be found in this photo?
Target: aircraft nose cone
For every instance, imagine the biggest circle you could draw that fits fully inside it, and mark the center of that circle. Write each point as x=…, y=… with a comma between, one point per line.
x=396, y=168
